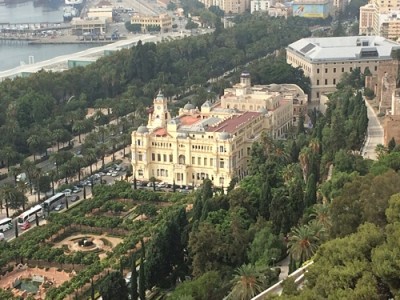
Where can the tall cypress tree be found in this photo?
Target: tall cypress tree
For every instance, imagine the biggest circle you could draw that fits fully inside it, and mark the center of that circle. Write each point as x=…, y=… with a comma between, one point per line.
x=134, y=280
x=142, y=283
x=310, y=195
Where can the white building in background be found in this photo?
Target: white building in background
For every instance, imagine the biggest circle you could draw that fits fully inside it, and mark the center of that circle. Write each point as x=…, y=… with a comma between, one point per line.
x=325, y=60
x=259, y=6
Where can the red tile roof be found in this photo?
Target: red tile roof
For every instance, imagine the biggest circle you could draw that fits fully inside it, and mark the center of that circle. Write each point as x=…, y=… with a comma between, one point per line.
x=189, y=120
x=231, y=124
x=160, y=132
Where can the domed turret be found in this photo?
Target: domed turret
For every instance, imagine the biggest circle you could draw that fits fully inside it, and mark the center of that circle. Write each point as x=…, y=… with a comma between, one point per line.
x=174, y=121
x=183, y=135
x=263, y=110
x=188, y=106
x=142, y=129
x=206, y=104
x=224, y=136
x=274, y=87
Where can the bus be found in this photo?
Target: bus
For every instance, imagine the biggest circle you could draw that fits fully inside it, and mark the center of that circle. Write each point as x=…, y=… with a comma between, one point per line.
x=5, y=224
x=30, y=215
x=47, y=204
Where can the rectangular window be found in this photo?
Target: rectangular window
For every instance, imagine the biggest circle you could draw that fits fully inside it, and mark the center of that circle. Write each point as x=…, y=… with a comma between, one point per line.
x=317, y=81
x=326, y=81
x=193, y=160
x=221, y=163
x=171, y=158
x=158, y=157
x=199, y=161
x=138, y=142
x=351, y=69
x=334, y=70
x=205, y=161
x=165, y=157
x=153, y=157
x=140, y=156
x=376, y=68
x=317, y=71
x=334, y=81
x=326, y=70
x=212, y=162
x=342, y=70
x=317, y=94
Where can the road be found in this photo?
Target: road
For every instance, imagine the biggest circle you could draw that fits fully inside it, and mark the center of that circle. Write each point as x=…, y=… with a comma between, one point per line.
x=375, y=134
x=10, y=234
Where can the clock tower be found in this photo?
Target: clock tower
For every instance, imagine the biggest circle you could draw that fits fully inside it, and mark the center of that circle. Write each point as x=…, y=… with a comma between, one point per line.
x=160, y=115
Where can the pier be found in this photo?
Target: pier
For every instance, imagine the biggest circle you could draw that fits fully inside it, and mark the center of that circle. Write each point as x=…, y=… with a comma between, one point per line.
x=31, y=27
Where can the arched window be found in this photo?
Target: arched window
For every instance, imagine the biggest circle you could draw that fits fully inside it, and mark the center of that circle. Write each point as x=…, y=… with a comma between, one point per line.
x=181, y=159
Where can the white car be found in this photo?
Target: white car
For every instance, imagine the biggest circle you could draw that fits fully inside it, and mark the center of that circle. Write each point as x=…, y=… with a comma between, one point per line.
x=67, y=192
x=59, y=207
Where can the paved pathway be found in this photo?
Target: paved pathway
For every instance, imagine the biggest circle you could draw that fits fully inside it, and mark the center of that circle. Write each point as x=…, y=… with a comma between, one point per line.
x=375, y=134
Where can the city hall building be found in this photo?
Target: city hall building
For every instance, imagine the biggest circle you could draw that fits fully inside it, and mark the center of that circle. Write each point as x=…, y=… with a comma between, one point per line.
x=214, y=141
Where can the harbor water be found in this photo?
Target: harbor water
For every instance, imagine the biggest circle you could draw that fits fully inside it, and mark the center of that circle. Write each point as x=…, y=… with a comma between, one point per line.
x=15, y=53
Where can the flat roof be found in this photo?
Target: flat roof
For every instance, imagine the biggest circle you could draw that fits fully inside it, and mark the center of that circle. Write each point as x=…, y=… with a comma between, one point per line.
x=344, y=48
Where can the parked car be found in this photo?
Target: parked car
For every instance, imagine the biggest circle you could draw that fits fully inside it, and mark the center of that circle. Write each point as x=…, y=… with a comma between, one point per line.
x=74, y=198
x=59, y=207
x=67, y=192
x=26, y=226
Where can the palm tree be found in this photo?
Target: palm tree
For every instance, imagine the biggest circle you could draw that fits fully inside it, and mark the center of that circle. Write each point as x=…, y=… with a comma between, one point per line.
x=58, y=137
x=12, y=198
x=90, y=158
x=247, y=283
x=34, y=143
x=9, y=154
x=53, y=177
x=102, y=131
x=14, y=171
x=303, y=242
x=29, y=168
x=79, y=127
x=289, y=172
x=321, y=215
x=23, y=188
x=304, y=158
x=102, y=150
x=77, y=163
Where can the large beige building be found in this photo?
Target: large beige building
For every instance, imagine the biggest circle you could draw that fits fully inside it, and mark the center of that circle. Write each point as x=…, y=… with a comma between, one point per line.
x=229, y=6
x=380, y=17
x=325, y=60
x=366, y=23
x=214, y=141
x=163, y=20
